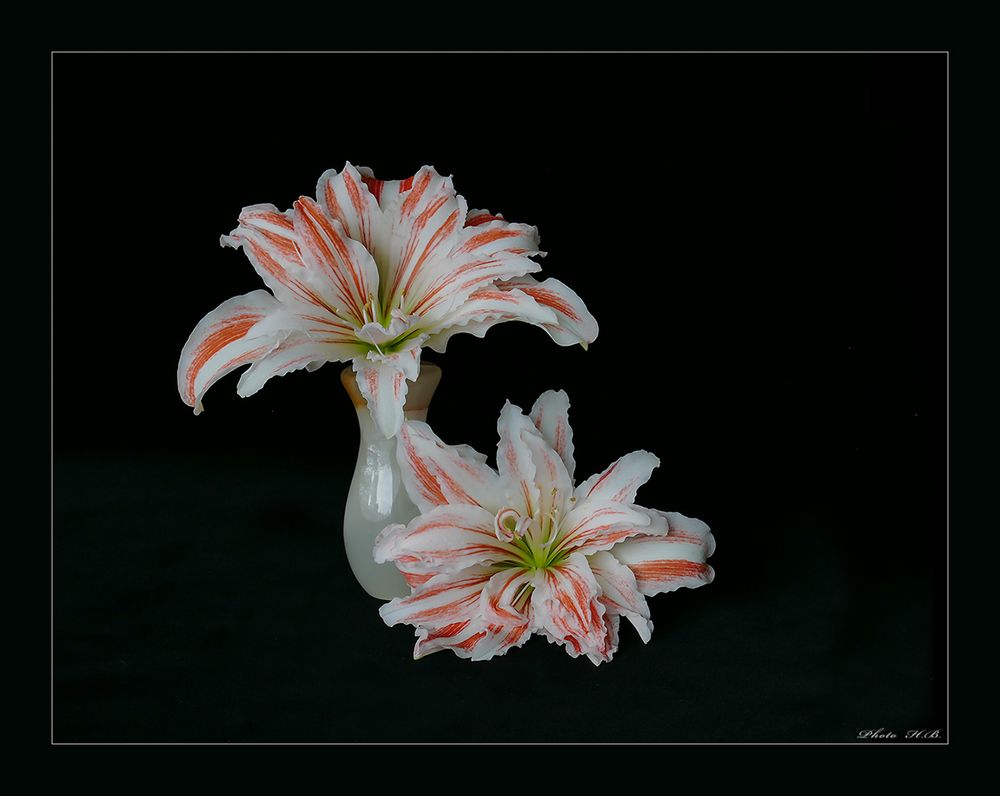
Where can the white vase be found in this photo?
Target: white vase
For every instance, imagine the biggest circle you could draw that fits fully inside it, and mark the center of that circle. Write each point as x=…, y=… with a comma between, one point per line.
x=377, y=497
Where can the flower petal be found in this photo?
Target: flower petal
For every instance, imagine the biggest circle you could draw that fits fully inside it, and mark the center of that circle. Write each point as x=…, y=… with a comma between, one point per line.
x=565, y=604
x=555, y=487
x=422, y=222
x=228, y=337
x=620, y=592
x=484, y=309
x=499, y=639
x=482, y=254
x=621, y=480
x=514, y=460
x=434, y=474
x=442, y=600
x=271, y=243
x=501, y=596
x=383, y=384
x=347, y=198
x=444, y=539
x=670, y=562
x=462, y=638
x=594, y=525
x=291, y=354
x=575, y=323
x=550, y=414
x=327, y=249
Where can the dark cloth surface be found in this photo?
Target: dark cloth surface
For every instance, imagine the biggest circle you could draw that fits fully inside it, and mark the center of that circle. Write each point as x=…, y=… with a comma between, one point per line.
x=212, y=601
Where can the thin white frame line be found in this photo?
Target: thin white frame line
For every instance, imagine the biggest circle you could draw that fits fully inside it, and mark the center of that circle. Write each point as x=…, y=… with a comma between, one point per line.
x=53, y=53
x=500, y=52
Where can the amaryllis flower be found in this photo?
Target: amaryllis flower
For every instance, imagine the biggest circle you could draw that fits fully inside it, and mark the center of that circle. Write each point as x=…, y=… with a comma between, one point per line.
x=370, y=272
x=494, y=557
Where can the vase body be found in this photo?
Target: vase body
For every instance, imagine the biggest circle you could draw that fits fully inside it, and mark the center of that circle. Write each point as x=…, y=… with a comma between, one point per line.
x=377, y=497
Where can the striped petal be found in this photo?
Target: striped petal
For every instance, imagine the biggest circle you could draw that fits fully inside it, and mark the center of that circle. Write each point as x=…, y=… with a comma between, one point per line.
x=484, y=309
x=462, y=638
x=327, y=249
x=422, y=222
x=600, y=524
x=515, y=461
x=483, y=253
x=621, y=480
x=575, y=323
x=273, y=245
x=620, y=592
x=555, y=487
x=347, y=197
x=673, y=561
x=383, y=384
x=550, y=414
x=499, y=639
x=443, y=600
x=436, y=474
x=504, y=599
x=444, y=539
x=294, y=353
x=230, y=336
x=566, y=605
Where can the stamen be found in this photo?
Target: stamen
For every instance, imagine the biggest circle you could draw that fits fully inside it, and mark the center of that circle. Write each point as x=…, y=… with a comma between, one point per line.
x=553, y=518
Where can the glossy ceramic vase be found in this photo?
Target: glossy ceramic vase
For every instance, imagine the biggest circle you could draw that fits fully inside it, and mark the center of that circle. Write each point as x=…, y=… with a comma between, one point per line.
x=377, y=497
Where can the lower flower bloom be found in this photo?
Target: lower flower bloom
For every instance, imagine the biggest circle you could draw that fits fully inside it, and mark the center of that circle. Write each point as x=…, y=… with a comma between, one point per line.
x=496, y=556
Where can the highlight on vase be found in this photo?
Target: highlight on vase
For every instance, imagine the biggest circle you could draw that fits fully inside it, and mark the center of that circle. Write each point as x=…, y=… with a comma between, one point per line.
x=370, y=272
x=496, y=556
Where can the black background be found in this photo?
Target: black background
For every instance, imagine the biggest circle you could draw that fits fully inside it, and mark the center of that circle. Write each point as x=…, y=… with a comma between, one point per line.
x=763, y=241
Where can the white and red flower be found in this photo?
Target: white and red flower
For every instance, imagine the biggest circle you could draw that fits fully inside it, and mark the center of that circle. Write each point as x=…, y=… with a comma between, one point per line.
x=494, y=557
x=371, y=271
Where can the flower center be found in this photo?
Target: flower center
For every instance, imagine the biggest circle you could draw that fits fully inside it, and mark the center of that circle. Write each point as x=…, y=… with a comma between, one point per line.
x=533, y=536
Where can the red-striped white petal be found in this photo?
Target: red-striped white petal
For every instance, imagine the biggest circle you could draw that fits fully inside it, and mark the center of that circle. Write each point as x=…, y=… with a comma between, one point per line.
x=499, y=639
x=272, y=244
x=294, y=353
x=412, y=577
x=621, y=480
x=594, y=525
x=435, y=474
x=515, y=461
x=327, y=249
x=611, y=623
x=475, y=218
x=575, y=323
x=566, y=605
x=462, y=638
x=550, y=414
x=439, y=340
x=444, y=599
x=230, y=336
x=347, y=197
x=673, y=561
x=268, y=238
x=484, y=253
x=484, y=309
x=422, y=222
x=505, y=598
x=620, y=592
x=443, y=539
x=555, y=487
x=383, y=384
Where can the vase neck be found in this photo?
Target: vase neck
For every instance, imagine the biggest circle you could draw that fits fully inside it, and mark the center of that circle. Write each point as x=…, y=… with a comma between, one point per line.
x=418, y=395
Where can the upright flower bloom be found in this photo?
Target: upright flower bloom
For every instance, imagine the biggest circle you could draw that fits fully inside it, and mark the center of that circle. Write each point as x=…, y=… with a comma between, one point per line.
x=495, y=556
x=371, y=272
